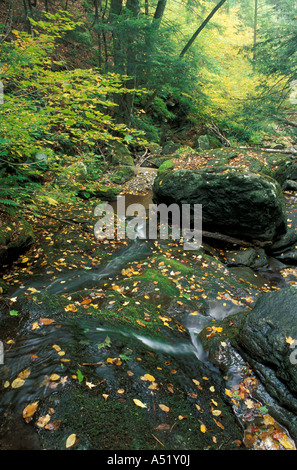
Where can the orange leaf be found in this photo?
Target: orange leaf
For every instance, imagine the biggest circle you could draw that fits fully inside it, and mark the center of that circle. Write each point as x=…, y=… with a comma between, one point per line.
x=46, y=321
x=29, y=411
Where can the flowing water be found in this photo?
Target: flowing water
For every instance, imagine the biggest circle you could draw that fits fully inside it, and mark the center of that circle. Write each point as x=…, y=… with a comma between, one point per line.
x=86, y=331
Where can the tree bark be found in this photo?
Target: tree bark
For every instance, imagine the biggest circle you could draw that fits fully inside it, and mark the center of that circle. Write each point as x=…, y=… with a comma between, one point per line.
x=201, y=27
x=160, y=10
x=255, y=35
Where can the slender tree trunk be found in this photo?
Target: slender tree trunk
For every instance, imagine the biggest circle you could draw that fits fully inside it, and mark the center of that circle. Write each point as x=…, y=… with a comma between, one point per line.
x=255, y=35
x=160, y=11
x=146, y=7
x=201, y=27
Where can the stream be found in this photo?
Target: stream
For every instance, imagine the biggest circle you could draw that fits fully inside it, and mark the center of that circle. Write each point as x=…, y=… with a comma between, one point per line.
x=37, y=352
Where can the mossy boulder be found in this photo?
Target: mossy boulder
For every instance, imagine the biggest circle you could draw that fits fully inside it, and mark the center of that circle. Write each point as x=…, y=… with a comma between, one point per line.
x=120, y=155
x=234, y=202
x=16, y=237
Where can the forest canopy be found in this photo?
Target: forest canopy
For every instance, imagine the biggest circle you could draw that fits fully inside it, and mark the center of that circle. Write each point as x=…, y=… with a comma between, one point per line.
x=82, y=76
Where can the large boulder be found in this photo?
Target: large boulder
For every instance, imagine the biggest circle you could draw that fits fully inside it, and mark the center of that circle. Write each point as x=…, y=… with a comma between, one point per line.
x=267, y=336
x=234, y=202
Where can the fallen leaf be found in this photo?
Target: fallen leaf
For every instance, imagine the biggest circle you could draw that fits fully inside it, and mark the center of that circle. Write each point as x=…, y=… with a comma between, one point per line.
x=17, y=383
x=53, y=425
x=139, y=403
x=29, y=411
x=164, y=408
x=43, y=420
x=54, y=377
x=70, y=440
x=24, y=374
x=290, y=340
x=46, y=321
x=148, y=377
x=203, y=428
x=162, y=427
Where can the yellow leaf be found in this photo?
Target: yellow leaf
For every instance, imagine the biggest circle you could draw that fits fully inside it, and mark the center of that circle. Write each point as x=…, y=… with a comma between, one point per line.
x=203, y=428
x=43, y=420
x=24, y=260
x=290, y=340
x=267, y=419
x=153, y=386
x=70, y=440
x=17, y=383
x=70, y=308
x=286, y=442
x=24, y=374
x=216, y=412
x=164, y=408
x=29, y=411
x=228, y=393
x=249, y=403
x=148, y=377
x=139, y=403
x=90, y=385
x=54, y=377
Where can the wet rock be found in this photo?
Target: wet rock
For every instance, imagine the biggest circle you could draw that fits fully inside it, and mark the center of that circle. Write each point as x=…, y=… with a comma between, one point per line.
x=234, y=202
x=16, y=237
x=250, y=257
x=263, y=338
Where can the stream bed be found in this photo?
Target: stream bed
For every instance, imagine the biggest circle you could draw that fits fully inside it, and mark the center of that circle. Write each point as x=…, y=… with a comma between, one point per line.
x=103, y=345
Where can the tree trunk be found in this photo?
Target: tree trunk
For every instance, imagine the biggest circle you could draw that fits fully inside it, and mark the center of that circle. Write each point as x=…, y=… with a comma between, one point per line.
x=160, y=10
x=201, y=27
x=255, y=35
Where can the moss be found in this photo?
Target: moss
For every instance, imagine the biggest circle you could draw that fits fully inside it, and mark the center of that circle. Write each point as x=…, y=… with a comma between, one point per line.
x=122, y=175
x=167, y=165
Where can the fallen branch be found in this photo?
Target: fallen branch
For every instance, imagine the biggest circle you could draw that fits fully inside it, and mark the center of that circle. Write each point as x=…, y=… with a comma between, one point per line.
x=235, y=241
x=288, y=152
x=63, y=221
x=286, y=121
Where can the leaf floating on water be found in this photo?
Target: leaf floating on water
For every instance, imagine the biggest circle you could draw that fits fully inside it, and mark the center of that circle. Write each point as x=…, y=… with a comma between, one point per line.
x=54, y=377
x=71, y=440
x=24, y=374
x=17, y=383
x=139, y=403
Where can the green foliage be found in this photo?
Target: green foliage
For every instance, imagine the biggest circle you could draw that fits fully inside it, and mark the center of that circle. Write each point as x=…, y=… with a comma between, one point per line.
x=64, y=113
